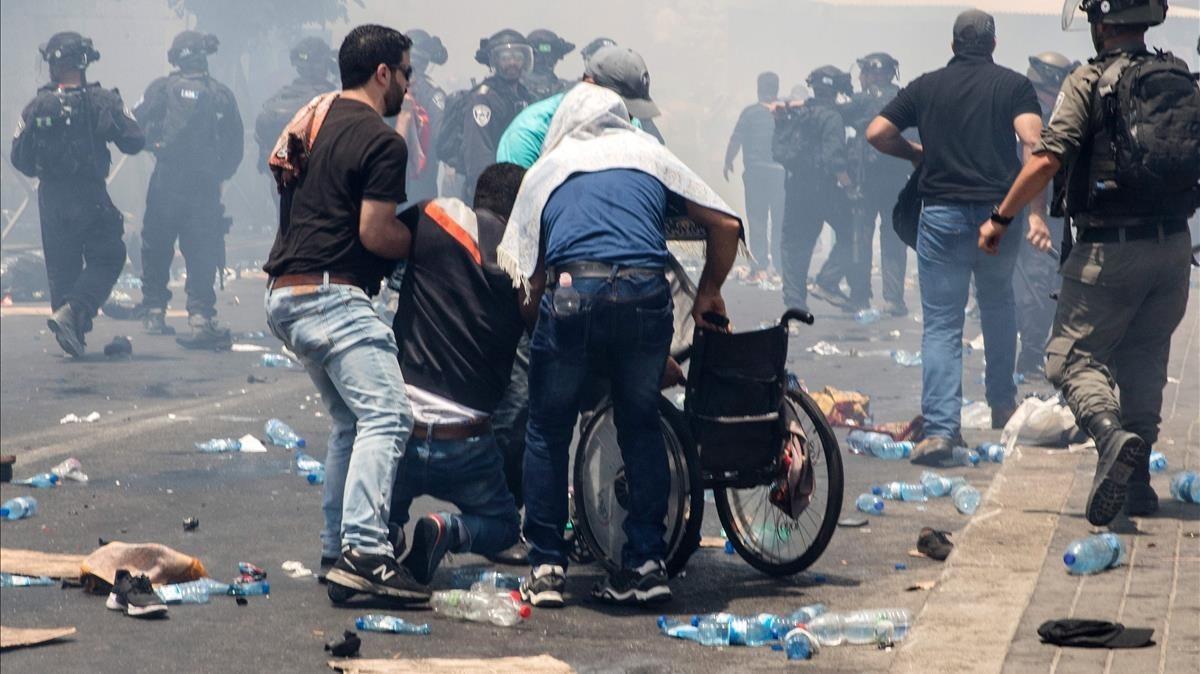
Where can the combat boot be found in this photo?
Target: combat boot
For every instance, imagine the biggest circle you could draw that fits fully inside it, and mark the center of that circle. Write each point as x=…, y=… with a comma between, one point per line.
x=154, y=322
x=206, y=335
x=67, y=328
x=1121, y=452
x=1142, y=500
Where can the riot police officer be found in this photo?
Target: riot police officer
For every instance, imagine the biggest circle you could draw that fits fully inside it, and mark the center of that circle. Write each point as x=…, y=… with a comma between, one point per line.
x=810, y=142
x=1036, y=275
x=493, y=104
x=194, y=129
x=62, y=140
x=548, y=50
x=1133, y=178
x=314, y=62
x=428, y=106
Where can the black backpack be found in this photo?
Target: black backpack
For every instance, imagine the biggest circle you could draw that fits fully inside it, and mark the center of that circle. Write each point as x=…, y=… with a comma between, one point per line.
x=793, y=143
x=1151, y=107
x=449, y=142
x=63, y=131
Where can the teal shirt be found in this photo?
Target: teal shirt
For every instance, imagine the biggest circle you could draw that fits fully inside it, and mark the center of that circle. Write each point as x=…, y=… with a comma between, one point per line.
x=522, y=141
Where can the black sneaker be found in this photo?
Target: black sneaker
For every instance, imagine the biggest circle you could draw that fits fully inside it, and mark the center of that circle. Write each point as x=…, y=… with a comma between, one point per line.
x=516, y=554
x=1120, y=454
x=833, y=296
x=544, y=586
x=375, y=574
x=65, y=326
x=154, y=322
x=642, y=586
x=430, y=542
x=135, y=596
x=324, y=567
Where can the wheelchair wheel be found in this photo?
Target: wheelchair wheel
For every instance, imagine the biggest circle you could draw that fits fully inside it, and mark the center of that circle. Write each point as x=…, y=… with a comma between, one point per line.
x=601, y=492
x=763, y=534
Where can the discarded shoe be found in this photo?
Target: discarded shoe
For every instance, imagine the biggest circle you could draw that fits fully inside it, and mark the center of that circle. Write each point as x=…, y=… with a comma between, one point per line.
x=135, y=596
x=934, y=544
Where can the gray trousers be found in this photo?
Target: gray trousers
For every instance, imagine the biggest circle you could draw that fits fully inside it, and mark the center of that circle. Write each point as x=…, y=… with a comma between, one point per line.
x=1119, y=305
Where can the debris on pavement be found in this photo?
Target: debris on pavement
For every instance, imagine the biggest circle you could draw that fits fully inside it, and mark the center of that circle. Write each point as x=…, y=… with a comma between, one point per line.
x=481, y=604
x=824, y=348
x=800, y=644
x=239, y=347
x=295, y=569
x=1094, y=634
x=923, y=586
x=17, y=580
x=278, y=360
x=249, y=573
x=161, y=563
x=119, y=347
x=538, y=664
x=346, y=647
x=17, y=637
x=35, y=563
x=934, y=544
x=191, y=524
x=73, y=418
x=849, y=409
x=977, y=416
x=906, y=358
x=852, y=522
x=1185, y=486
x=387, y=623
x=1094, y=554
x=70, y=469
x=6, y=464
x=1044, y=423
x=712, y=542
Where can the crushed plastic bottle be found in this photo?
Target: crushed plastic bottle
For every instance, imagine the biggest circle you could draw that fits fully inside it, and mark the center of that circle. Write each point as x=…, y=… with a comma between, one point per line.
x=992, y=452
x=1158, y=462
x=252, y=589
x=278, y=360
x=752, y=630
x=712, y=630
x=194, y=592
x=677, y=629
x=464, y=578
x=966, y=498
x=220, y=445
x=311, y=469
x=282, y=435
x=1094, y=554
x=976, y=415
x=805, y=614
x=17, y=580
x=387, y=623
x=906, y=358
x=39, y=481
x=872, y=626
x=937, y=486
x=867, y=316
x=566, y=297
x=19, y=508
x=1185, y=486
x=961, y=456
x=900, y=491
x=800, y=644
x=71, y=469
x=870, y=504
x=879, y=445
x=503, y=610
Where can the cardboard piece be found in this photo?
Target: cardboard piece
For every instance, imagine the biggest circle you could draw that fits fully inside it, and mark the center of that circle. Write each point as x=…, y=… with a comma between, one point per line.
x=16, y=637
x=538, y=664
x=34, y=563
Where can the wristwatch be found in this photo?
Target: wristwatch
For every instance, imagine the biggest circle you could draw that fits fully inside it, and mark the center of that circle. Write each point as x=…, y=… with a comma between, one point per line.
x=1000, y=219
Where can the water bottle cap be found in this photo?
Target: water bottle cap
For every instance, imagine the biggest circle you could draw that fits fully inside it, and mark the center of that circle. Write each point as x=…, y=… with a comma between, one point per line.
x=877, y=490
x=525, y=611
x=564, y=280
x=1069, y=559
x=5, y=512
x=301, y=444
x=879, y=506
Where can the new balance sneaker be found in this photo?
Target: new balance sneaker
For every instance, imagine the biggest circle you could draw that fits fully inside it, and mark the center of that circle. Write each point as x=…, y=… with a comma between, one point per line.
x=544, y=586
x=135, y=596
x=380, y=575
x=430, y=542
x=644, y=585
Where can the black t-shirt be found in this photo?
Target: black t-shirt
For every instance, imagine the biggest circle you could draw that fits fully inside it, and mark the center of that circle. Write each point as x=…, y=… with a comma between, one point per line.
x=458, y=320
x=356, y=156
x=964, y=113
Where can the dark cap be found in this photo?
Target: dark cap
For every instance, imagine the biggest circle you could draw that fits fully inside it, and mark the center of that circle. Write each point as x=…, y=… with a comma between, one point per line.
x=974, y=28
x=1094, y=634
x=622, y=70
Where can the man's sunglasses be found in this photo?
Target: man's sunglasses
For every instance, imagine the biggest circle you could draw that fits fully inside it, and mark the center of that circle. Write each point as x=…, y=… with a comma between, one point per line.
x=405, y=70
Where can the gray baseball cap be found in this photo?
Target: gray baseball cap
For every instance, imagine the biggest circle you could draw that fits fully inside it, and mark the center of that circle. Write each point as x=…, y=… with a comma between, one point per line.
x=622, y=70
x=974, y=28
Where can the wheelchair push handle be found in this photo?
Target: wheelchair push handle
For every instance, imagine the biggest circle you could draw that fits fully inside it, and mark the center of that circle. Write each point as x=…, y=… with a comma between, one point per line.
x=796, y=315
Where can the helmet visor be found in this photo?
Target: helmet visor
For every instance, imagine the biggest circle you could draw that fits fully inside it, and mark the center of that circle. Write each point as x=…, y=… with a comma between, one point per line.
x=1073, y=16
x=509, y=57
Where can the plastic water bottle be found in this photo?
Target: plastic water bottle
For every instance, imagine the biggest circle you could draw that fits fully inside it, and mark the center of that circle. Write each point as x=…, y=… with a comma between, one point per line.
x=937, y=485
x=677, y=629
x=878, y=445
x=906, y=358
x=277, y=360
x=17, y=580
x=466, y=577
x=220, y=445
x=19, y=508
x=504, y=610
x=712, y=630
x=39, y=481
x=194, y=592
x=387, y=623
x=798, y=645
x=71, y=469
x=805, y=614
x=870, y=504
x=901, y=491
x=281, y=434
x=316, y=476
x=1185, y=486
x=991, y=451
x=961, y=456
x=566, y=297
x=253, y=589
x=310, y=468
x=862, y=627
x=1094, y=554
x=1158, y=462
x=966, y=499
x=867, y=316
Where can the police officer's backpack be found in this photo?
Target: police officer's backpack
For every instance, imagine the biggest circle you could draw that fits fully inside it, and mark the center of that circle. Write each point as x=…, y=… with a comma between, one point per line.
x=794, y=142
x=189, y=130
x=449, y=142
x=62, y=134
x=1151, y=110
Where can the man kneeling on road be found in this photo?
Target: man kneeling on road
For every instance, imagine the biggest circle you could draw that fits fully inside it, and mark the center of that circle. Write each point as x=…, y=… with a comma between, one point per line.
x=589, y=223
x=458, y=323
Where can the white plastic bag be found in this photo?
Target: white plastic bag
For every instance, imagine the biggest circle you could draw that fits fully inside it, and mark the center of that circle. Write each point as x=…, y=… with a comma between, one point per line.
x=977, y=416
x=1046, y=423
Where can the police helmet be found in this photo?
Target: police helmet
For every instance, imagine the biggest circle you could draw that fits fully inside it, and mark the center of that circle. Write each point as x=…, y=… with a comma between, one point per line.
x=1048, y=69
x=594, y=46
x=880, y=62
x=192, y=48
x=828, y=81
x=548, y=45
x=71, y=49
x=428, y=46
x=505, y=42
x=1123, y=12
x=310, y=50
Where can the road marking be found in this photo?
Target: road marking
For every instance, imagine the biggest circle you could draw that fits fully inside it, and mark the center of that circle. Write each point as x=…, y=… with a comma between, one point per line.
x=44, y=310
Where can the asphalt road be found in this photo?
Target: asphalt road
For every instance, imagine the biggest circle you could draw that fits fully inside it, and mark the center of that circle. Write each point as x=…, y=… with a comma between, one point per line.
x=146, y=478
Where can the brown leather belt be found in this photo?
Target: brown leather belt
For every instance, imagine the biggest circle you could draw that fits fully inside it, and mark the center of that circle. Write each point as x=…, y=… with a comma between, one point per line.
x=464, y=431
x=312, y=279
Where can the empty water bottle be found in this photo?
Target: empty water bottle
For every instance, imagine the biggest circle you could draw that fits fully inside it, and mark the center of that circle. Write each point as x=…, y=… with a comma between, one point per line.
x=566, y=297
x=677, y=629
x=17, y=580
x=1185, y=486
x=281, y=434
x=316, y=476
x=966, y=499
x=71, y=469
x=991, y=451
x=800, y=644
x=504, y=610
x=466, y=577
x=387, y=623
x=311, y=469
x=217, y=445
x=277, y=360
x=752, y=630
x=961, y=456
x=805, y=614
x=194, y=592
x=878, y=445
x=906, y=358
x=937, y=485
x=712, y=630
x=19, y=508
x=901, y=491
x=1094, y=554
x=1158, y=462
x=253, y=589
x=870, y=504
x=867, y=316
x=862, y=627
x=39, y=481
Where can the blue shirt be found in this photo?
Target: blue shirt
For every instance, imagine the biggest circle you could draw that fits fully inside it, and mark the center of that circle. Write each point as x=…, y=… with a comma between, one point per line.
x=522, y=141
x=615, y=216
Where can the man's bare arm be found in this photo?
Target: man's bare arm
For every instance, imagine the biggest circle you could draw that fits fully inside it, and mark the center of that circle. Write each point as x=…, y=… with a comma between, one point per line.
x=381, y=232
x=885, y=137
x=723, y=234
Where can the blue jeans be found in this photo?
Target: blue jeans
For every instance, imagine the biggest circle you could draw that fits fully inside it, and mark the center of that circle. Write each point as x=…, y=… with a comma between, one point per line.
x=623, y=330
x=947, y=257
x=470, y=474
x=350, y=354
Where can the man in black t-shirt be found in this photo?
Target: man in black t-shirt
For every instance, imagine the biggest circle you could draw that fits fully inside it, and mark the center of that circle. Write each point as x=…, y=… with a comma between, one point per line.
x=966, y=114
x=458, y=324
x=338, y=236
